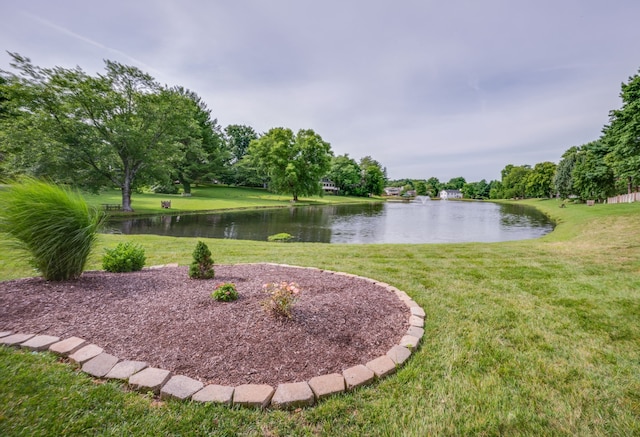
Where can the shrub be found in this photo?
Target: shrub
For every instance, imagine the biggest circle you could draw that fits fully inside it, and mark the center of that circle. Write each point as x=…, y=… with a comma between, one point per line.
x=225, y=292
x=281, y=298
x=126, y=257
x=202, y=265
x=51, y=225
x=283, y=236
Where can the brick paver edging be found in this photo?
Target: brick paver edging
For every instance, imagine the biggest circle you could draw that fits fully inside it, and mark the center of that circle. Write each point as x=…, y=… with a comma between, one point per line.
x=96, y=362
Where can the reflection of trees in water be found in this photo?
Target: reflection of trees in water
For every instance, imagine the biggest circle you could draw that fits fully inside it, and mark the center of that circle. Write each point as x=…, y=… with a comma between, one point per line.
x=370, y=223
x=522, y=216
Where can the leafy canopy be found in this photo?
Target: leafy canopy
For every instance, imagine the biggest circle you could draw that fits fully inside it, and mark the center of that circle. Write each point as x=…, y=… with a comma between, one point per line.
x=293, y=164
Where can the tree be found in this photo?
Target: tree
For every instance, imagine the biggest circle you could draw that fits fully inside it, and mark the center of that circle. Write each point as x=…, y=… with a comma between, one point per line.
x=203, y=147
x=622, y=135
x=540, y=180
x=119, y=128
x=455, y=183
x=434, y=186
x=238, y=138
x=496, y=191
x=593, y=178
x=294, y=164
x=476, y=190
x=563, y=179
x=345, y=173
x=421, y=188
x=373, y=176
x=514, y=181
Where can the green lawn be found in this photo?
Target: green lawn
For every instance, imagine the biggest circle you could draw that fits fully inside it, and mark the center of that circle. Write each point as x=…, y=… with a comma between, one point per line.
x=214, y=197
x=536, y=337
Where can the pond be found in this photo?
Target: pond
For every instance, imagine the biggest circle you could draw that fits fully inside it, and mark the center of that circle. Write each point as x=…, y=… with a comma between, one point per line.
x=430, y=221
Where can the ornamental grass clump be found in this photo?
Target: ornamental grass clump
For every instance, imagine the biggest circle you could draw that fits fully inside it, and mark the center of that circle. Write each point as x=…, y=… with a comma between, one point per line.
x=281, y=298
x=202, y=265
x=52, y=226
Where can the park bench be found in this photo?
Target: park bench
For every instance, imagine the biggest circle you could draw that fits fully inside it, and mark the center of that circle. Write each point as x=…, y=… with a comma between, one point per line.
x=112, y=206
x=590, y=202
x=165, y=204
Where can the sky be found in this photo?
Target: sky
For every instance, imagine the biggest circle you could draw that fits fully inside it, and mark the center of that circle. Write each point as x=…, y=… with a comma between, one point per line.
x=427, y=88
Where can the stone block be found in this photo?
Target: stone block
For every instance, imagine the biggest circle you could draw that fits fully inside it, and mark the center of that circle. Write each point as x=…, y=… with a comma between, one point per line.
x=327, y=385
x=99, y=365
x=68, y=346
x=124, y=369
x=399, y=354
x=5, y=333
x=253, y=395
x=150, y=379
x=417, y=311
x=409, y=341
x=416, y=321
x=214, y=393
x=293, y=395
x=171, y=265
x=15, y=339
x=180, y=387
x=357, y=375
x=40, y=342
x=85, y=353
x=382, y=366
x=415, y=331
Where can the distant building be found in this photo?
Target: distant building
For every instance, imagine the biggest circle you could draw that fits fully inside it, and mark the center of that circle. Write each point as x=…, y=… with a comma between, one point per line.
x=392, y=191
x=329, y=186
x=450, y=194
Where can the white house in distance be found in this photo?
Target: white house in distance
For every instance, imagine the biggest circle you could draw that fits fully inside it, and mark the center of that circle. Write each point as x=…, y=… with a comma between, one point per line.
x=329, y=186
x=450, y=194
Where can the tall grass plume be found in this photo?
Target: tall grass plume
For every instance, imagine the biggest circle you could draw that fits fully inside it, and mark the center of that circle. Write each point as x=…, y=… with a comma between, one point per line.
x=52, y=226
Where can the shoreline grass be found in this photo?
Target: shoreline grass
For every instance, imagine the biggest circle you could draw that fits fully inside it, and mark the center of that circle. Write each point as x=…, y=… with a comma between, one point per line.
x=533, y=337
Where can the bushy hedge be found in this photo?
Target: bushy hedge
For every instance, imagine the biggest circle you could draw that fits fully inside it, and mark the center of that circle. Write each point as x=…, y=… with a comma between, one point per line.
x=125, y=257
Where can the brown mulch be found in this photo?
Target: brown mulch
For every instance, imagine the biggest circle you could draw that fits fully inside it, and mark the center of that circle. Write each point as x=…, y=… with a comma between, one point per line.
x=170, y=321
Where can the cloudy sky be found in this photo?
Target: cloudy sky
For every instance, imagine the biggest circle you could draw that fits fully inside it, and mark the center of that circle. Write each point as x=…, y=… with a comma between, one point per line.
x=428, y=88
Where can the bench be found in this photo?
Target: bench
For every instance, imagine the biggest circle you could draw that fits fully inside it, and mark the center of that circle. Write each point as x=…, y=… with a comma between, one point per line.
x=112, y=206
x=165, y=204
x=590, y=202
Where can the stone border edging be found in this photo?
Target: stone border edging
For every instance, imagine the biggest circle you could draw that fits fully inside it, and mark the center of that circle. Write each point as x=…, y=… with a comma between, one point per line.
x=94, y=361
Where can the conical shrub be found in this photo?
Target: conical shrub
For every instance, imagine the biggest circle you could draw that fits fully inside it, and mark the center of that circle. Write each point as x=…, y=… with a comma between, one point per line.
x=53, y=226
x=202, y=265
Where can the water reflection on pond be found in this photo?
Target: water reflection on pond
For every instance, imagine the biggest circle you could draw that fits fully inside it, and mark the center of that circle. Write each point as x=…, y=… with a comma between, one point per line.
x=392, y=222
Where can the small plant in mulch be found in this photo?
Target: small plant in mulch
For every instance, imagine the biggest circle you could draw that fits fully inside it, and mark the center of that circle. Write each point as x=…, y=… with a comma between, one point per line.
x=281, y=298
x=225, y=292
x=125, y=257
x=281, y=237
x=202, y=265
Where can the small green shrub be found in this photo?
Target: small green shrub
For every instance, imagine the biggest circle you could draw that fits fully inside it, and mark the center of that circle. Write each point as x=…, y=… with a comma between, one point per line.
x=126, y=257
x=50, y=226
x=202, y=265
x=225, y=292
x=283, y=236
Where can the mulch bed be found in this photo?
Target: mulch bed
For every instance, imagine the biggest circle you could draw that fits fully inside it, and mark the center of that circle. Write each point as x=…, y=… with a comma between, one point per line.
x=163, y=317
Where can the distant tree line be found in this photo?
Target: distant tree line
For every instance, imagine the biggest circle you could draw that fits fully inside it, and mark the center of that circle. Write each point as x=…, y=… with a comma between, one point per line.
x=597, y=170
x=123, y=129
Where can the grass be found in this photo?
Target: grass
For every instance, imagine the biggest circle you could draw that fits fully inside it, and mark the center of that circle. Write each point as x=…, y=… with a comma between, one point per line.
x=213, y=197
x=535, y=337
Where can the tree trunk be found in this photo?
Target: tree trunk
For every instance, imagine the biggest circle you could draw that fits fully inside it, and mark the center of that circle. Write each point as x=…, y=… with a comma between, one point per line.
x=186, y=186
x=629, y=185
x=126, y=194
